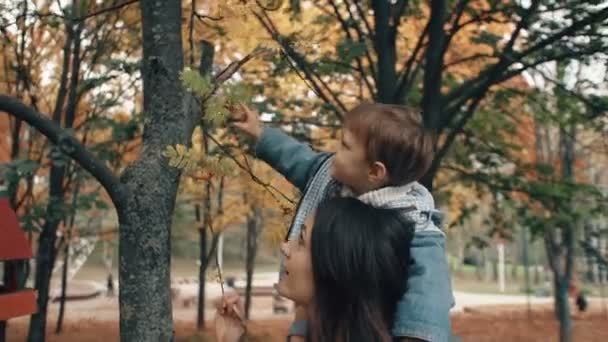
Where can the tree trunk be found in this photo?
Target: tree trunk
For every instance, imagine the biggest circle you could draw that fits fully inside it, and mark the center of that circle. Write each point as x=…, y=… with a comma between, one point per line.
x=145, y=221
x=589, y=259
x=564, y=277
x=432, y=97
x=524, y=244
x=64, y=283
x=252, y=247
x=602, y=279
x=562, y=307
x=385, y=45
x=205, y=67
x=479, y=263
x=202, y=270
x=66, y=259
x=45, y=258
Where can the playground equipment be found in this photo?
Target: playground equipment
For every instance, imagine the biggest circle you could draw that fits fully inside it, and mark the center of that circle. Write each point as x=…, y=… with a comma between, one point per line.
x=15, y=299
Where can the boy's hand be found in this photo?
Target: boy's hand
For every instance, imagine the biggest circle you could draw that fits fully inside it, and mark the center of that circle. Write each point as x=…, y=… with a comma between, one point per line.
x=247, y=120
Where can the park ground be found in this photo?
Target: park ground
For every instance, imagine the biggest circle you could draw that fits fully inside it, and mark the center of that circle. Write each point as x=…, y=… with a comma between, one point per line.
x=505, y=323
x=476, y=317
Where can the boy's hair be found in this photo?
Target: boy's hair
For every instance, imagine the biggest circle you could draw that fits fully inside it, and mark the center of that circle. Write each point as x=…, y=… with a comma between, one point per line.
x=395, y=136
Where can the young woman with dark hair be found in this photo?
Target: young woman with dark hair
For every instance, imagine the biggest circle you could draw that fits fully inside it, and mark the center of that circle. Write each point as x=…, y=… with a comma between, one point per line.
x=348, y=268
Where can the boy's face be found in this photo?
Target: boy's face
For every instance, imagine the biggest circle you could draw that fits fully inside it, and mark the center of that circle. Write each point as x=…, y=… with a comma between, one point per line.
x=351, y=167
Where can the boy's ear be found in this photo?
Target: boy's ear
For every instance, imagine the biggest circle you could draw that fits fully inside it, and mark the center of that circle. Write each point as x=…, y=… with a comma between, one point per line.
x=378, y=172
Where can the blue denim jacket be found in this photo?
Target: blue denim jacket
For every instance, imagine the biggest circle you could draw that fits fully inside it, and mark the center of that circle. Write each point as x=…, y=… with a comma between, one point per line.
x=423, y=312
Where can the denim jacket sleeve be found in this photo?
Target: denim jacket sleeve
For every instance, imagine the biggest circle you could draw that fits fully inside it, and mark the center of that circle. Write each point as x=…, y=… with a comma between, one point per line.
x=295, y=160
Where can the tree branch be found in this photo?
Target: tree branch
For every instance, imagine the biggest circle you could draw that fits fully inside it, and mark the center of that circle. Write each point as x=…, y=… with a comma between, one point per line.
x=346, y=30
x=407, y=75
x=68, y=145
x=311, y=78
x=469, y=58
x=493, y=73
x=443, y=150
x=247, y=169
x=362, y=35
x=106, y=10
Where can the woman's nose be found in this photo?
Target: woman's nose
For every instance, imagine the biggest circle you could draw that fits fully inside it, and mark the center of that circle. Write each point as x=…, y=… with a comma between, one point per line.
x=285, y=249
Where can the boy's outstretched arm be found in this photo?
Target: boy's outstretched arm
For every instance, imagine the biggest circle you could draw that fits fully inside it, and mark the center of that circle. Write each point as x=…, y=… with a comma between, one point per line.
x=293, y=159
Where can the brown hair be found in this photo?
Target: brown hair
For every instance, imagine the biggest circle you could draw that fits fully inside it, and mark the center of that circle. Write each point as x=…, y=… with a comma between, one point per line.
x=395, y=136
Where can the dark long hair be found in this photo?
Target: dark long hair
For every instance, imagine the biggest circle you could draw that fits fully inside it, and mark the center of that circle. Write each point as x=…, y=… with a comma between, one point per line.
x=360, y=257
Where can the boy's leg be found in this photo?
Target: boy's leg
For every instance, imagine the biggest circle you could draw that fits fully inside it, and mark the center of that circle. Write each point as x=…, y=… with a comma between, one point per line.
x=424, y=311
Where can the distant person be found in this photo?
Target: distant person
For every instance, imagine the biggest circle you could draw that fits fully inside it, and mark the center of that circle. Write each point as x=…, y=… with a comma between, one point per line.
x=581, y=302
x=230, y=282
x=110, y=285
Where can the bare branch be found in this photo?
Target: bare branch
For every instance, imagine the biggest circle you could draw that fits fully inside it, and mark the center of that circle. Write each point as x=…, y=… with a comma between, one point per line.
x=466, y=116
x=363, y=17
x=407, y=75
x=106, y=10
x=494, y=73
x=311, y=79
x=269, y=187
x=462, y=5
x=466, y=59
x=362, y=36
x=346, y=30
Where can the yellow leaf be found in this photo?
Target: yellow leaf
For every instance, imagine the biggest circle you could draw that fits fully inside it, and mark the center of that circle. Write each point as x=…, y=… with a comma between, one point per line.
x=169, y=152
x=181, y=149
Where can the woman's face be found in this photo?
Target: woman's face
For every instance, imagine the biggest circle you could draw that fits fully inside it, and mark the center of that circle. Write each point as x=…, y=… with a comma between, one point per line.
x=296, y=282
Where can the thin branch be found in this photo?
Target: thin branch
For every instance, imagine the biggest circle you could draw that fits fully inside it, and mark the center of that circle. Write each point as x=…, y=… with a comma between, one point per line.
x=443, y=150
x=597, y=111
x=401, y=6
x=302, y=64
x=361, y=35
x=406, y=75
x=191, y=31
x=466, y=59
x=202, y=17
x=462, y=5
x=363, y=18
x=346, y=30
x=247, y=169
x=493, y=73
x=106, y=10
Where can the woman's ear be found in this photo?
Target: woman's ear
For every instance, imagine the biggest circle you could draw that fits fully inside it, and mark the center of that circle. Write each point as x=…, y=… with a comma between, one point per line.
x=378, y=173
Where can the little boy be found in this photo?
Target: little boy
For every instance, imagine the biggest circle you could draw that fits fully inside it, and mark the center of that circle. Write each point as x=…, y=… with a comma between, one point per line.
x=384, y=151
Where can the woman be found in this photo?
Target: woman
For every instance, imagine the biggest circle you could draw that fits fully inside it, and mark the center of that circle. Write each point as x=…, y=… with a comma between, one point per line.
x=348, y=267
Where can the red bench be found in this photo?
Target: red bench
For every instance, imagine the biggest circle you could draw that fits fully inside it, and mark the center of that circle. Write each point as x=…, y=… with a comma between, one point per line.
x=14, y=301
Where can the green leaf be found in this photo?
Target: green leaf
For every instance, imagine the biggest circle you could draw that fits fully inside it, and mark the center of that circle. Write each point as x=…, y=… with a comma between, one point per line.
x=348, y=50
x=169, y=152
x=215, y=112
x=195, y=82
x=486, y=38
